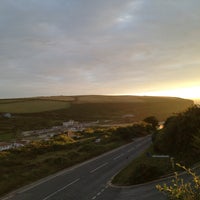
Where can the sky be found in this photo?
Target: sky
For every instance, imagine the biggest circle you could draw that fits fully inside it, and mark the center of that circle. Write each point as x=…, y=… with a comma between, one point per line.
x=113, y=47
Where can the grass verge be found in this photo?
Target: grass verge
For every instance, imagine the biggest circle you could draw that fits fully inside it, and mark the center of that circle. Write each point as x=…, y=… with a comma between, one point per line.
x=143, y=169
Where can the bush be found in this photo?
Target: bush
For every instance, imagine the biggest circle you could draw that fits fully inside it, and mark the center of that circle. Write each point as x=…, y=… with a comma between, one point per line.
x=179, y=190
x=180, y=136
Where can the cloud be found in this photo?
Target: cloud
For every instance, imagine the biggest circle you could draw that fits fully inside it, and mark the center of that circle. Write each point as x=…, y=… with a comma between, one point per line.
x=100, y=47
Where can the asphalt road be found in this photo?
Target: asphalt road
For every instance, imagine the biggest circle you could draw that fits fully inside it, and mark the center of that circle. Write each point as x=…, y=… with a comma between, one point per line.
x=90, y=180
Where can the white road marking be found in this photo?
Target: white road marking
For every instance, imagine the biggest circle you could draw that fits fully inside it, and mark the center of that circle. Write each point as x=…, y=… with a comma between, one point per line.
x=7, y=197
x=98, y=167
x=131, y=149
x=57, y=191
x=99, y=193
x=31, y=186
x=118, y=156
x=103, y=190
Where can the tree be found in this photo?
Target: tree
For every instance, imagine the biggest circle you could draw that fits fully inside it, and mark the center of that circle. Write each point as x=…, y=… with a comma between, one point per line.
x=181, y=135
x=152, y=120
x=196, y=143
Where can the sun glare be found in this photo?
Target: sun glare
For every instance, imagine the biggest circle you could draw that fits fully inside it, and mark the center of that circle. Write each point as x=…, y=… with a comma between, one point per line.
x=189, y=92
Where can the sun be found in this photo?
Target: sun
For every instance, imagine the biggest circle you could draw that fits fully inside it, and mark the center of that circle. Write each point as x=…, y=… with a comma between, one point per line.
x=183, y=92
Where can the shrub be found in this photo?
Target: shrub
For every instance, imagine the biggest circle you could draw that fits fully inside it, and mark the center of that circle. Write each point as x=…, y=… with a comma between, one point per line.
x=179, y=190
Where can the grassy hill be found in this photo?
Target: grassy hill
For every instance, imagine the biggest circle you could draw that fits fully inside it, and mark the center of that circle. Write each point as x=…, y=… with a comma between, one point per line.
x=32, y=105
x=43, y=112
x=95, y=103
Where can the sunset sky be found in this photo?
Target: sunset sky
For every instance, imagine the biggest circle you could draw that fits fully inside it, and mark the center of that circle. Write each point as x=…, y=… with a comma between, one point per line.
x=77, y=47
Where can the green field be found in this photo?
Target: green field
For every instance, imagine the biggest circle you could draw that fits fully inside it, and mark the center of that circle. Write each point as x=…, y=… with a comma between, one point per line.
x=31, y=106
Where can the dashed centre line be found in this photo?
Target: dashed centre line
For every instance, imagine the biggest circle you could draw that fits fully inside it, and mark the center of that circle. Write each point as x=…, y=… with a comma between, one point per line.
x=131, y=149
x=57, y=191
x=99, y=167
x=118, y=156
x=99, y=193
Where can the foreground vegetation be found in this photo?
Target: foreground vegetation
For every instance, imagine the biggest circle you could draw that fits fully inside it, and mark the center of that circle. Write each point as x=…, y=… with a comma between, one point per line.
x=180, y=139
x=180, y=190
x=39, y=159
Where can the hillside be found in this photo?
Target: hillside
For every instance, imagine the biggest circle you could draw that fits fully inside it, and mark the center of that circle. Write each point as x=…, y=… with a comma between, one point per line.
x=137, y=106
x=93, y=107
x=43, y=112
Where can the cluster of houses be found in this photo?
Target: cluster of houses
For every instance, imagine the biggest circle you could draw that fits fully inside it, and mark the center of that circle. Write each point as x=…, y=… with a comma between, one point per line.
x=6, y=146
x=70, y=128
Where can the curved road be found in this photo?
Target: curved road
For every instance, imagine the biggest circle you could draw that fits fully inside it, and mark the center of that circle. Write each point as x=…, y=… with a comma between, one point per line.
x=90, y=180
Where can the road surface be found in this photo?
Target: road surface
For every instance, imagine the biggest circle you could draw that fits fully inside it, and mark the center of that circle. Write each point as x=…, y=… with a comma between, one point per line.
x=90, y=180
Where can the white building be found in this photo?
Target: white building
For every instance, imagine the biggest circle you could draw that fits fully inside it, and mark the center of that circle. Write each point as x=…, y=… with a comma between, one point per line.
x=7, y=146
x=69, y=123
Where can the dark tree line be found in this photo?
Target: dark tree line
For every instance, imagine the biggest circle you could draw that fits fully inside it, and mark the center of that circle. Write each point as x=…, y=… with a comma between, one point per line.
x=180, y=136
